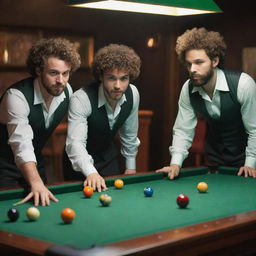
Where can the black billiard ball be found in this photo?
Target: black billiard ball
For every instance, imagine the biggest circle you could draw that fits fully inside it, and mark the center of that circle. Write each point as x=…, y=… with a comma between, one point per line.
x=182, y=200
x=148, y=191
x=13, y=214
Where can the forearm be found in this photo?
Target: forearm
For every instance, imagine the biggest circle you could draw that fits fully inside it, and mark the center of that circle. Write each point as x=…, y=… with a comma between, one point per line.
x=129, y=152
x=80, y=159
x=30, y=173
x=181, y=143
x=250, y=160
x=129, y=145
x=130, y=163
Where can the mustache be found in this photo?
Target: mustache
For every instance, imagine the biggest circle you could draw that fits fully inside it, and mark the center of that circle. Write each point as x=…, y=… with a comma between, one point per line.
x=59, y=85
x=117, y=90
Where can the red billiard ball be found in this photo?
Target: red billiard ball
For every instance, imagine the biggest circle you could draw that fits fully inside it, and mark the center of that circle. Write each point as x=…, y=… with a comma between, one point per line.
x=182, y=200
x=68, y=215
x=88, y=191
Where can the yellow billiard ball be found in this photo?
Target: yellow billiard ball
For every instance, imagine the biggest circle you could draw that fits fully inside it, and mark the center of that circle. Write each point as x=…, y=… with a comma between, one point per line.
x=202, y=187
x=119, y=183
x=33, y=213
x=105, y=199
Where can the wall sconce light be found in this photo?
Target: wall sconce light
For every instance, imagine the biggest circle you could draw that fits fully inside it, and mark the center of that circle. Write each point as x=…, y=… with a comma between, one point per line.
x=163, y=7
x=152, y=42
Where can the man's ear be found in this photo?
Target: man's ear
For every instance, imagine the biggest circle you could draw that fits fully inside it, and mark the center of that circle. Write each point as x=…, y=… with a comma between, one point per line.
x=38, y=71
x=215, y=61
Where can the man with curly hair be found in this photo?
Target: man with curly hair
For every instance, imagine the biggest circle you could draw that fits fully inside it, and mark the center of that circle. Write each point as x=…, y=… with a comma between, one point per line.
x=30, y=110
x=100, y=111
x=224, y=98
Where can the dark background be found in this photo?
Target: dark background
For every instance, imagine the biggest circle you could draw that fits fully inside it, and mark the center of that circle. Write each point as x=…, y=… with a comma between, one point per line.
x=161, y=75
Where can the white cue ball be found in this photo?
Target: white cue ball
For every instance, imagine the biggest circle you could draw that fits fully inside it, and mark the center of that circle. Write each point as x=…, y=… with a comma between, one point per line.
x=33, y=213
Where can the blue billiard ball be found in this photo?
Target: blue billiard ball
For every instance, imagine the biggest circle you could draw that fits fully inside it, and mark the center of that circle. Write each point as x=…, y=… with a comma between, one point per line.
x=148, y=191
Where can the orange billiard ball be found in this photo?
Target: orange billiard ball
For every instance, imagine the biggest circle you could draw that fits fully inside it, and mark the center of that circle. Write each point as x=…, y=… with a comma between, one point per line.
x=119, y=183
x=202, y=187
x=68, y=215
x=88, y=191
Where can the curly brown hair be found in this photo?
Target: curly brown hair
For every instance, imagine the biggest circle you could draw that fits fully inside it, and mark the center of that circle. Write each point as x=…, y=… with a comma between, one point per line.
x=115, y=56
x=52, y=47
x=200, y=38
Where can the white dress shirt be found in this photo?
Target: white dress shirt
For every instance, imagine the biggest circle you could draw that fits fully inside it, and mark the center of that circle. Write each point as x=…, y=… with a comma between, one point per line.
x=80, y=110
x=14, y=111
x=184, y=127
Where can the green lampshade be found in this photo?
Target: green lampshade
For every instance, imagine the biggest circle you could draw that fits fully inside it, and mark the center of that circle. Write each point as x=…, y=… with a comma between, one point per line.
x=163, y=7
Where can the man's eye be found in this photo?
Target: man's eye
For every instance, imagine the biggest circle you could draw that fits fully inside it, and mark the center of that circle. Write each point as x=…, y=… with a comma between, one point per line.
x=199, y=62
x=53, y=73
x=125, y=78
x=66, y=73
x=112, y=78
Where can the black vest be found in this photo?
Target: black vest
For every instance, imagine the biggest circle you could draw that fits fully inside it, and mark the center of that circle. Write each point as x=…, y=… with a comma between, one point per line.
x=228, y=131
x=36, y=121
x=100, y=136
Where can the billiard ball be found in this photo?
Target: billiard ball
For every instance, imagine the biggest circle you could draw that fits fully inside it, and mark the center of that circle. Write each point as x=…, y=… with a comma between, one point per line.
x=105, y=199
x=13, y=214
x=119, y=183
x=182, y=200
x=88, y=191
x=148, y=191
x=33, y=213
x=68, y=215
x=202, y=187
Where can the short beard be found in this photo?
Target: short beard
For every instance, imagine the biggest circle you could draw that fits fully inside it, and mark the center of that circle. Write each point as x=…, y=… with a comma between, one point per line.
x=203, y=79
x=53, y=92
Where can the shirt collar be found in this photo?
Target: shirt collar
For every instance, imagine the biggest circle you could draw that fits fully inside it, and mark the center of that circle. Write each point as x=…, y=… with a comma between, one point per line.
x=102, y=99
x=221, y=83
x=38, y=97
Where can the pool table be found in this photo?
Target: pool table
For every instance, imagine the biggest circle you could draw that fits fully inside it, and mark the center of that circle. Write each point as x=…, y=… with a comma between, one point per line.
x=221, y=221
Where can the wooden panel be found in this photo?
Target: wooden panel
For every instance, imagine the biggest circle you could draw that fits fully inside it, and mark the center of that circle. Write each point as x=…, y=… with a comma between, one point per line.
x=142, y=160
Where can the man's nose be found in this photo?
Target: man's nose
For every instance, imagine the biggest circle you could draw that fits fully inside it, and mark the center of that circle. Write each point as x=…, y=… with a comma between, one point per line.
x=118, y=84
x=60, y=78
x=193, y=68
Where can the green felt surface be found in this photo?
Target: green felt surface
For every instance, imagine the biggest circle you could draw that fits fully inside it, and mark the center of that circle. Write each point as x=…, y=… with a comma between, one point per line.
x=131, y=214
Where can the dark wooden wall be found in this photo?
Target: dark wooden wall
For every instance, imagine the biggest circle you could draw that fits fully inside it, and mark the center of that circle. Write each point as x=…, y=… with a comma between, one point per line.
x=161, y=75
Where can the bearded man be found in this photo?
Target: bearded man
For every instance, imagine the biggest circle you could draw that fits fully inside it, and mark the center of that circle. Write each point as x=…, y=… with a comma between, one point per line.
x=224, y=98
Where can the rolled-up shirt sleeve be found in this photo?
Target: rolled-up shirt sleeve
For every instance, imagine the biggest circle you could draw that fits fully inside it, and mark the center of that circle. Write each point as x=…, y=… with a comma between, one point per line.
x=184, y=128
x=14, y=115
x=246, y=95
x=129, y=133
x=77, y=133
